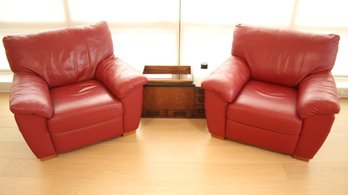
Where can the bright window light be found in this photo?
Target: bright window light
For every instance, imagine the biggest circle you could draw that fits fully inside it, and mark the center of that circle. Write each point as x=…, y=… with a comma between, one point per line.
x=231, y=12
x=145, y=47
x=321, y=13
x=31, y=11
x=135, y=11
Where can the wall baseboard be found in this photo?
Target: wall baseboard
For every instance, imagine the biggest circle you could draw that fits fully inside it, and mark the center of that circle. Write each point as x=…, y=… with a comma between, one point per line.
x=343, y=92
x=5, y=87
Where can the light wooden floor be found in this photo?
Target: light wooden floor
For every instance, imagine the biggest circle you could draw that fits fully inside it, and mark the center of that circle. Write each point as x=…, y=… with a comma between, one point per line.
x=171, y=156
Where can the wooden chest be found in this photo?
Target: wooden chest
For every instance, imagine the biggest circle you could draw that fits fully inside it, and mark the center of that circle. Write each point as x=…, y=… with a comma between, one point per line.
x=172, y=99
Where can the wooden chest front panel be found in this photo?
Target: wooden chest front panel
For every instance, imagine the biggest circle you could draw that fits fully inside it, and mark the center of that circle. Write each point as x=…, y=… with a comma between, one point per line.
x=177, y=98
x=172, y=102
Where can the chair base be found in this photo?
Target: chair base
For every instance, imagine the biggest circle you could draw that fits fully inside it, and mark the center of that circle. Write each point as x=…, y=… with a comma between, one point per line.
x=300, y=158
x=128, y=133
x=218, y=137
x=49, y=157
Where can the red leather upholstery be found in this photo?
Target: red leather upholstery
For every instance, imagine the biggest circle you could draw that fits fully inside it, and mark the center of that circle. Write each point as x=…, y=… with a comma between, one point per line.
x=69, y=89
x=275, y=91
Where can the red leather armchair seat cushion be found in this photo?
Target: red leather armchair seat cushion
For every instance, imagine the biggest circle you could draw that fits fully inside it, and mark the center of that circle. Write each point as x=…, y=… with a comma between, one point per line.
x=269, y=107
x=275, y=91
x=70, y=90
x=82, y=104
x=85, y=107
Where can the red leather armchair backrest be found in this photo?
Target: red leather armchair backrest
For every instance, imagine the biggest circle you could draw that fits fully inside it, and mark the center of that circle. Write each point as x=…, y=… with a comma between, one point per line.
x=283, y=56
x=61, y=56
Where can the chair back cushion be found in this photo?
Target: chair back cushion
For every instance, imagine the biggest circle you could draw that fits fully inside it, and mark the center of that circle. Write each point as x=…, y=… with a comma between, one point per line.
x=284, y=56
x=62, y=56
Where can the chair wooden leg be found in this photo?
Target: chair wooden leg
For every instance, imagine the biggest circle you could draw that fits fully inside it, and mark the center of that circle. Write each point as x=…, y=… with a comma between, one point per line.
x=300, y=158
x=48, y=157
x=218, y=137
x=128, y=133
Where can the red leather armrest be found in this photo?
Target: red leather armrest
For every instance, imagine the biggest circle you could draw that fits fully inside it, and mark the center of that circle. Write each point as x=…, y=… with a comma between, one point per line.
x=30, y=96
x=228, y=79
x=118, y=76
x=318, y=96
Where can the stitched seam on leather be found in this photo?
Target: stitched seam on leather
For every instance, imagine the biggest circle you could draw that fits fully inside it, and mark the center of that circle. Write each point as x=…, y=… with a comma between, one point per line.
x=97, y=124
x=270, y=130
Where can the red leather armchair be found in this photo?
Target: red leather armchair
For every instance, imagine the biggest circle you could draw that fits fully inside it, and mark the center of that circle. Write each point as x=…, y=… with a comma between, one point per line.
x=275, y=91
x=69, y=90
